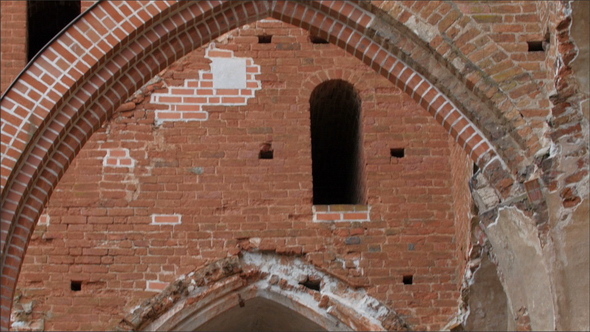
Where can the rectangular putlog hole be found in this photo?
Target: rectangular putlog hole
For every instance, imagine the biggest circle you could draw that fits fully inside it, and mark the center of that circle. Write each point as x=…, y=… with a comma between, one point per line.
x=408, y=279
x=397, y=153
x=264, y=39
x=265, y=154
x=266, y=151
x=535, y=46
x=313, y=284
x=75, y=285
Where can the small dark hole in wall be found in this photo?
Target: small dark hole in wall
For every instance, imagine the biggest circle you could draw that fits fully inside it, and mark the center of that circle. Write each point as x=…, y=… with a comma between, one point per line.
x=317, y=40
x=535, y=46
x=311, y=284
x=408, y=280
x=265, y=154
x=475, y=168
x=397, y=153
x=266, y=151
x=264, y=39
x=76, y=286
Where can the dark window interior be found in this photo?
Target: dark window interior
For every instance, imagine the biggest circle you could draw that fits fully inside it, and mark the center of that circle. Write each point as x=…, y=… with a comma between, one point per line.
x=335, y=143
x=46, y=19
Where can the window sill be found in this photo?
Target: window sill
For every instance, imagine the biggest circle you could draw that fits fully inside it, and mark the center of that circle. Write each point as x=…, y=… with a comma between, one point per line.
x=341, y=213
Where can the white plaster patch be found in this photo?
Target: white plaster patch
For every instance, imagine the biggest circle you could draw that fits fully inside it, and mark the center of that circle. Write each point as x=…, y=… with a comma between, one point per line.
x=230, y=82
x=229, y=73
x=459, y=64
x=424, y=30
x=515, y=241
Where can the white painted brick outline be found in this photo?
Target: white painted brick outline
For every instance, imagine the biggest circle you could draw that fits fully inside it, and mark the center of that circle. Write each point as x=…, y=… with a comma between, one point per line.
x=118, y=158
x=155, y=285
x=44, y=219
x=341, y=213
x=231, y=81
x=166, y=219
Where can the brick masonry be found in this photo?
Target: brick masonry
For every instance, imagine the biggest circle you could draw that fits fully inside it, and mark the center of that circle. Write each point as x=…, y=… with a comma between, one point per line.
x=186, y=103
x=118, y=158
x=486, y=91
x=207, y=174
x=338, y=213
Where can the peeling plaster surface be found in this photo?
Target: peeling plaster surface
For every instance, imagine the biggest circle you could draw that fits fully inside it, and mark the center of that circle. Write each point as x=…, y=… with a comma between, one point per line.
x=488, y=309
x=515, y=242
x=297, y=271
x=571, y=271
x=335, y=306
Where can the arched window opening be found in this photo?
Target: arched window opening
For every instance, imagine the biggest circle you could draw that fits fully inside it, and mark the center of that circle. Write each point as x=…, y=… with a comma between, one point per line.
x=45, y=19
x=335, y=109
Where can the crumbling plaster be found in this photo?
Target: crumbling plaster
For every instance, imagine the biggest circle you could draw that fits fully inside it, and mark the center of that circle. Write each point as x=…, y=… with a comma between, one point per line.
x=522, y=267
x=581, y=36
x=205, y=293
x=567, y=253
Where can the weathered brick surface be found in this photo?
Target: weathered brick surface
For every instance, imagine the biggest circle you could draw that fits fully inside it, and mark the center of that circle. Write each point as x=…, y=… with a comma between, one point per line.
x=117, y=218
x=132, y=173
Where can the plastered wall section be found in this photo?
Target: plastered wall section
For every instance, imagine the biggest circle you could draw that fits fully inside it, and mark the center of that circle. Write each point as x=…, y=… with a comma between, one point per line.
x=231, y=81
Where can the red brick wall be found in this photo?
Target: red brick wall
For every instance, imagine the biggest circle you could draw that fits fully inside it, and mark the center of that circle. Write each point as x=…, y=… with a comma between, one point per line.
x=108, y=222
x=512, y=25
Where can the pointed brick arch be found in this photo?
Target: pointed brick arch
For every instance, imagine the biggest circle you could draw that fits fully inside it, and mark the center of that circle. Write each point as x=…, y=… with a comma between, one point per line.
x=72, y=88
x=223, y=284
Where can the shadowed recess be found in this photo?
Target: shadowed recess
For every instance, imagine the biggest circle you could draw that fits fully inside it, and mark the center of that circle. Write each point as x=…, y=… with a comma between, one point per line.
x=259, y=314
x=335, y=111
